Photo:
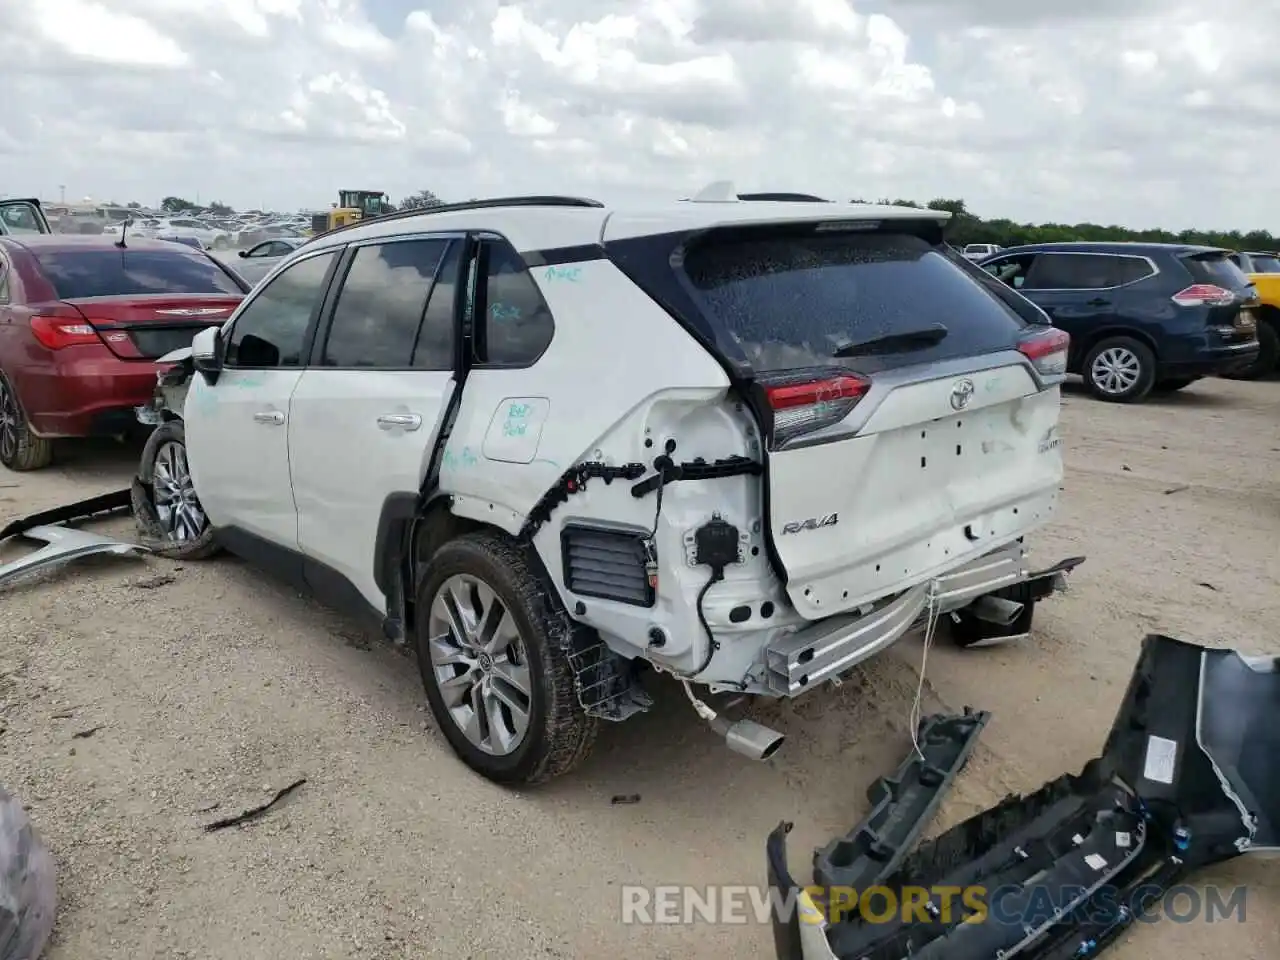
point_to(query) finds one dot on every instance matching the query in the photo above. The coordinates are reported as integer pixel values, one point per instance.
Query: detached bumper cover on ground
(1184, 780)
(64, 544)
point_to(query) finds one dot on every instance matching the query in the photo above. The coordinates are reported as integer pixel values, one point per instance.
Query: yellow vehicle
(1263, 270)
(352, 205)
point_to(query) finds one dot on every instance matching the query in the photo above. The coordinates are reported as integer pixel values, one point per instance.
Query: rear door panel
(919, 489)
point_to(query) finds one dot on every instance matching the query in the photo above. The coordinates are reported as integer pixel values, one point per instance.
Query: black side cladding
(901, 805)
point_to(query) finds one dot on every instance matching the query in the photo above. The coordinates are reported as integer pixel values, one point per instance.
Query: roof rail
(533, 201)
(785, 197)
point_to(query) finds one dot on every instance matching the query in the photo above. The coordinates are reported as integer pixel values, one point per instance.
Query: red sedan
(82, 321)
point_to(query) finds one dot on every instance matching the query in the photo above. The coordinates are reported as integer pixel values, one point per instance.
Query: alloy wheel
(1116, 370)
(480, 664)
(10, 421)
(177, 508)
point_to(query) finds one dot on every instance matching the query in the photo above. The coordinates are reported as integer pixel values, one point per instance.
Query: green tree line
(968, 227)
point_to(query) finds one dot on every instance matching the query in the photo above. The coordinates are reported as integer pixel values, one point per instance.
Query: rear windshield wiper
(891, 342)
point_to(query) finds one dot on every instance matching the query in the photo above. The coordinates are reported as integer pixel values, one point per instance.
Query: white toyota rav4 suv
(749, 443)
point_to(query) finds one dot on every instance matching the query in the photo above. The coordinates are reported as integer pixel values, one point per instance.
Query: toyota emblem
(961, 394)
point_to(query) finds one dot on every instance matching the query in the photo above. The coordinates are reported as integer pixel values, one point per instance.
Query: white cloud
(1033, 111)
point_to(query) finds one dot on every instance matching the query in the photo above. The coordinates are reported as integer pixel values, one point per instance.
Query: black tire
(20, 449)
(156, 529)
(1268, 354)
(1173, 384)
(559, 734)
(968, 631)
(1137, 357)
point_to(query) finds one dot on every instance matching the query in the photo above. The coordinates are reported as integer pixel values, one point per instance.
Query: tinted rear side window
(122, 273)
(792, 301)
(1266, 265)
(1216, 268)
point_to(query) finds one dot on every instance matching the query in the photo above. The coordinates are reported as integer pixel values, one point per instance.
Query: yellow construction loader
(352, 205)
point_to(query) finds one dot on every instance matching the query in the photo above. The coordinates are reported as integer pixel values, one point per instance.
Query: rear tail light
(804, 403)
(1047, 351)
(59, 332)
(1204, 295)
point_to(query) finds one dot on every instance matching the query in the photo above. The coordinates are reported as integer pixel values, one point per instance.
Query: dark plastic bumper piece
(106, 503)
(901, 805)
(1185, 780)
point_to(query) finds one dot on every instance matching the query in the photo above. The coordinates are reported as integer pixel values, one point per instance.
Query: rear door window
(1266, 265)
(121, 273)
(795, 301)
(1073, 271)
(1132, 269)
(380, 307)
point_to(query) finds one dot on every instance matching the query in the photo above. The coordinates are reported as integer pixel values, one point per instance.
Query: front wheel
(170, 519)
(1120, 370)
(491, 650)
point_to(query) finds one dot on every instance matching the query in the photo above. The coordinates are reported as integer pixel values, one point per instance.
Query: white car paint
(921, 489)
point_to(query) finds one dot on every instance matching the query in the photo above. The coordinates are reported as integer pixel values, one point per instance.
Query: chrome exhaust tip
(750, 739)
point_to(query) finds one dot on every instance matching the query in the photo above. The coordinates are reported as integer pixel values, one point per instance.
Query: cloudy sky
(1141, 112)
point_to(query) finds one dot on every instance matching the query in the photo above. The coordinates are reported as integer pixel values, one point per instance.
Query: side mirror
(206, 354)
(244, 253)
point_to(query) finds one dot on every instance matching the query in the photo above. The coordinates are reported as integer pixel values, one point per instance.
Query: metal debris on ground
(254, 813)
(623, 798)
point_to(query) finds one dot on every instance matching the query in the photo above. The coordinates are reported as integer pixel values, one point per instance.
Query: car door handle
(269, 416)
(405, 421)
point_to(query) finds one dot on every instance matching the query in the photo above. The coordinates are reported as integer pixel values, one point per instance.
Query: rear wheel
(1268, 354)
(20, 449)
(168, 513)
(1120, 370)
(490, 639)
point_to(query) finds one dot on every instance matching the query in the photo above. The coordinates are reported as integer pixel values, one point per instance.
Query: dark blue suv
(1142, 316)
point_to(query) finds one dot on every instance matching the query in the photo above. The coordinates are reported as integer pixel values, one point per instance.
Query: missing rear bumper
(831, 647)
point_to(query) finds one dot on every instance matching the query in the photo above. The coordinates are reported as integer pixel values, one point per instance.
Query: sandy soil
(211, 688)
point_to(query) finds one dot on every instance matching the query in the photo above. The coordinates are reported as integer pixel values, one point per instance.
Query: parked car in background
(1142, 316)
(212, 237)
(1263, 271)
(194, 242)
(259, 260)
(980, 251)
(82, 321)
(22, 216)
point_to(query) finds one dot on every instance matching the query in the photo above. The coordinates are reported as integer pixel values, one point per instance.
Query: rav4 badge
(813, 523)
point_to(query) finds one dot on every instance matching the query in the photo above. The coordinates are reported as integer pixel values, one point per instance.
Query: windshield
(121, 273)
(794, 301)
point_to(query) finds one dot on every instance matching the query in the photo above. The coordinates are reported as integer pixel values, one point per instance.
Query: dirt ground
(210, 688)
